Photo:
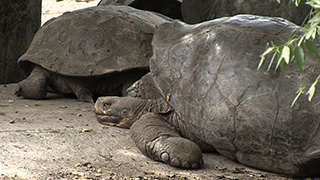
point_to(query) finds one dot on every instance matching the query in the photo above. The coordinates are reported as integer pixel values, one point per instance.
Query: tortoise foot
(177, 152)
(84, 95)
(157, 139)
(35, 86)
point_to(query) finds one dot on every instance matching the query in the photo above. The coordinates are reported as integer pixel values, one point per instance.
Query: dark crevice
(284, 29)
(225, 98)
(243, 93)
(234, 118)
(274, 124)
(218, 71)
(311, 139)
(234, 129)
(256, 32)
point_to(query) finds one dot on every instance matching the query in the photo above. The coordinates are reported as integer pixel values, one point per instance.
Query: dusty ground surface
(51, 8)
(59, 138)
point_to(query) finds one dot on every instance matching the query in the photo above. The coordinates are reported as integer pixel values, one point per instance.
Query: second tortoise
(90, 52)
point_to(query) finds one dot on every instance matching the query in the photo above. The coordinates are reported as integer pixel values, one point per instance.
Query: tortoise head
(118, 111)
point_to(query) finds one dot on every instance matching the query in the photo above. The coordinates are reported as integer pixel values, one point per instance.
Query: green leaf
(312, 89)
(293, 33)
(318, 30)
(311, 33)
(285, 54)
(26, 134)
(301, 40)
(268, 50)
(151, 162)
(299, 57)
(312, 48)
(315, 19)
(314, 3)
(299, 92)
(261, 62)
(282, 66)
(314, 34)
(263, 56)
(280, 59)
(271, 61)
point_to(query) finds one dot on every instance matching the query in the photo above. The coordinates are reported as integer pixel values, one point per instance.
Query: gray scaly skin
(156, 129)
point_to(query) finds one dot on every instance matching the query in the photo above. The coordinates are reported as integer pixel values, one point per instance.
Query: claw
(175, 162)
(17, 92)
(165, 157)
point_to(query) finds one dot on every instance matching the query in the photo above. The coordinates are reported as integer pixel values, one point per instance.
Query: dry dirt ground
(51, 8)
(59, 138)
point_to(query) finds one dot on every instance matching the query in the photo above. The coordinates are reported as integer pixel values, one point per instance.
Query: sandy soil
(51, 8)
(59, 138)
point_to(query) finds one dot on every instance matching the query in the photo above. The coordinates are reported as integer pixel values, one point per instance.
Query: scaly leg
(35, 86)
(82, 93)
(160, 141)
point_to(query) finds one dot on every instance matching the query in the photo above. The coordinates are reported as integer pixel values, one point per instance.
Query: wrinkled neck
(158, 106)
(152, 105)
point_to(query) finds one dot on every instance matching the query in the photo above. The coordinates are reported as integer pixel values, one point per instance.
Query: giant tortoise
(213, 95)
(195, 11)
(90, 52)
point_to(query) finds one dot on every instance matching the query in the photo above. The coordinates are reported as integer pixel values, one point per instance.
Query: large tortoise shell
(208, 74)
(94, 41)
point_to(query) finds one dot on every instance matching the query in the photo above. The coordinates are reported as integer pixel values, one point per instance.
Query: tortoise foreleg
(82, 93)
(35, 86)
(160, 141)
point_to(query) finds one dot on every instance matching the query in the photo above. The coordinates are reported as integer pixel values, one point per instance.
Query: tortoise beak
(114, 121)
(108, 120)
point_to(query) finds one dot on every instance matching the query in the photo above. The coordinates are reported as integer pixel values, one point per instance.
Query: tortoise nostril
(106, 105)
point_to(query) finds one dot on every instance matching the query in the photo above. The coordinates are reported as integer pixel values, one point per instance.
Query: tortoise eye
(125, 113)
(106, 105)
